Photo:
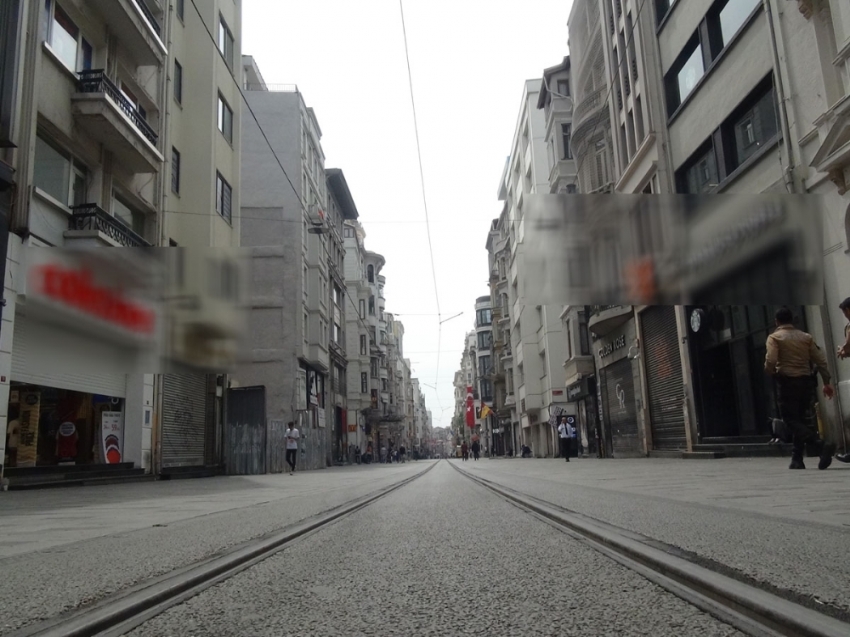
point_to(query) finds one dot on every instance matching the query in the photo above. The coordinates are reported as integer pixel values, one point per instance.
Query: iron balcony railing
(89, 216)
(151, 19)
(97, 81)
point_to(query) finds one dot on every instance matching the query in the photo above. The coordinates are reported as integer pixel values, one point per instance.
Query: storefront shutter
(184, 415)
(664, 378)
(96, 365)
(620, 409)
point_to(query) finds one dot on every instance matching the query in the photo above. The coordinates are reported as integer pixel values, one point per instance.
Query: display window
(48, 426)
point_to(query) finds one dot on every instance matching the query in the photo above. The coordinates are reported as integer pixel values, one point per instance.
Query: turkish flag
(470, 408)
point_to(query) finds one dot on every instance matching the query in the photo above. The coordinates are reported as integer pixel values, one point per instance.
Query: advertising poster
(30, 405)
(111, 431)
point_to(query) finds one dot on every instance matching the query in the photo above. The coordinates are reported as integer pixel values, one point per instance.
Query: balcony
(108, 117)
(578, 366)
(89, 221)
(136, 27)
(606, 318)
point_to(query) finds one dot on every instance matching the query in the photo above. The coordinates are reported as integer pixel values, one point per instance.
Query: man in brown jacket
(790, 355)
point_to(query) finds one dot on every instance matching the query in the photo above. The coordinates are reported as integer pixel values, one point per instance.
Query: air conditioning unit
(315, 215)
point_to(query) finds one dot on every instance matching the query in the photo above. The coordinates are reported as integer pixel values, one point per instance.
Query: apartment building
(359, 343)
(536, 339)
(709, 97)
(341, 209)
(286, 226)
(201, 213)
(485, 368)
(83, 116)
(465, 383)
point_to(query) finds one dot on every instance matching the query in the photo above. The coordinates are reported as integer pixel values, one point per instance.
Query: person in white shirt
(565, 437)
(292, 436)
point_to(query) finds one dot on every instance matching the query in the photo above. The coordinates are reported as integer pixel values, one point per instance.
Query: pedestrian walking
(464, 451)
(401, 452)
(383, 454)
(292, 436)
(791, 353)
(564, 438)
(476, 449)
(844, 352)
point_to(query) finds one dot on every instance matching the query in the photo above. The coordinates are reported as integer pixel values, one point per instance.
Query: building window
(65, 39)
(370, 274)
(683, 77)
(175, 170)
(362, 308)
(225, 42)
(373, 368)
(583, 336)
(483, 318)
(306, 328)
(725, 23)
(566, 132)
(483, 365)
(371, 306)
(127, 215)
(180, 7)
(571, 189)
(225, 119)
(700, 174)
(563, 88)
(348, 232)
(223, 197)
(178, 82)
(59, 175)
(363, 345)
(364, 383)
(751, 127)
(484, 340)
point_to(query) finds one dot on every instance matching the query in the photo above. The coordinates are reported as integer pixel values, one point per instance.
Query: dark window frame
(225, 47)
(223, 197)
(225, 119)
(175, 171)
(180, 9)
(566, 138)
(178, 82)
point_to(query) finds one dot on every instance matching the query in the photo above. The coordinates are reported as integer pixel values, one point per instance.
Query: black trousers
(565, 447)
(291, 455)
(796, 399)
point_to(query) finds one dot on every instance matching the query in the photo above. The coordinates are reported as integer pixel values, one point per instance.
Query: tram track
(121, 613)
(750, 609)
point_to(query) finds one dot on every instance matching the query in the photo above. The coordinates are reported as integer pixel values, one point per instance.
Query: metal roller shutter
(664, 378)
(184, 415)
(92, 359)
(620, 410)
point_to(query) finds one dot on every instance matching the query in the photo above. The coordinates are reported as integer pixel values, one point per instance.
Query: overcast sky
(469, 59)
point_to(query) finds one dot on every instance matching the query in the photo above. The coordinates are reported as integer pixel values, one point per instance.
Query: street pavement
(62, 549)
(438, 556)
(441, 556)
(787, 530)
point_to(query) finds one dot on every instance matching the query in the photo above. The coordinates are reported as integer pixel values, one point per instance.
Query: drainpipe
(165, 121)
(775, 45)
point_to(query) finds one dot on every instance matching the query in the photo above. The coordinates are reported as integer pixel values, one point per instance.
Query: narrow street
(438, 555)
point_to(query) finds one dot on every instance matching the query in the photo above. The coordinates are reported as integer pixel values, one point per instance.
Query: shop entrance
(735, 398)
(49, 427)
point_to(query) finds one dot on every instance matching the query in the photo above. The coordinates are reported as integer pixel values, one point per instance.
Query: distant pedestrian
(464, 451)
(292, 436)
(383, 455)
(791, 353)
(401, 452)
(564, 438)
(476, 449)
(844, 352)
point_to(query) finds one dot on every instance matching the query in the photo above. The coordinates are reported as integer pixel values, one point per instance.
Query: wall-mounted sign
(612, 346)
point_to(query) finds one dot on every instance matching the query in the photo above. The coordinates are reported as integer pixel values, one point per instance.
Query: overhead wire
(422, 182)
